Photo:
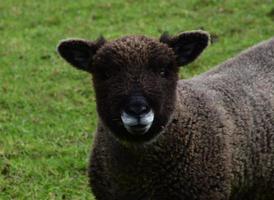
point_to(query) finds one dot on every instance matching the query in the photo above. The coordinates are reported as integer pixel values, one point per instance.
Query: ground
(47, 109)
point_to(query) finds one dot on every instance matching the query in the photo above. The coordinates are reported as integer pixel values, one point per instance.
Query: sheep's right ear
(79, 53)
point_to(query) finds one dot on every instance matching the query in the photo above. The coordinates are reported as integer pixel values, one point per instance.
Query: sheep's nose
(137, 106)
(137, 115)
(137, 109)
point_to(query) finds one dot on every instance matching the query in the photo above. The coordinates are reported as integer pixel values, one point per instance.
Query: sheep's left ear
(79, 53)
(187, 45)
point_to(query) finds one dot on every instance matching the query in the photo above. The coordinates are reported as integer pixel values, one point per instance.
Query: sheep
(158, 137)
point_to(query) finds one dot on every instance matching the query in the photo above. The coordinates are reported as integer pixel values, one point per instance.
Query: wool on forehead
(134, 50)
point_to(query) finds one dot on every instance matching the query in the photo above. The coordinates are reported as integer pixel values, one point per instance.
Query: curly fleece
(218, 144)
(212, 137)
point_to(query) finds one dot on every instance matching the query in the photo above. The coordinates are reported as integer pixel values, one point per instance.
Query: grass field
(47, 109)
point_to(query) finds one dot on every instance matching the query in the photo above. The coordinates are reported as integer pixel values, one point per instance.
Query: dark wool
(212, 137)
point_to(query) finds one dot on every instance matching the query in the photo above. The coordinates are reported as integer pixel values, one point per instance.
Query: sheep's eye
(163, 72)
(104, 75)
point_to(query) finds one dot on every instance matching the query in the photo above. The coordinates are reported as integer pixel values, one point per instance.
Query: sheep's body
(219, 143)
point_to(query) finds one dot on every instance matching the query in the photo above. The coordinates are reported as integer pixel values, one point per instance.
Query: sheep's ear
(187, 45)
(79, 53)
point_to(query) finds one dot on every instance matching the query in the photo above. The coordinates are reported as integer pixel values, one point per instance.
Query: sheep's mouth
(137, 125)
(137, 130)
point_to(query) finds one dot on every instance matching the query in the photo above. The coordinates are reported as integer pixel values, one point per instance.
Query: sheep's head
(135, 78)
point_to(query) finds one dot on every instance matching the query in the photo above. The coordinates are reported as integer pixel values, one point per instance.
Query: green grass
(47, 109)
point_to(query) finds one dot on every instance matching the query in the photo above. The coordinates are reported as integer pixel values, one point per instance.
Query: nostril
(137, 109)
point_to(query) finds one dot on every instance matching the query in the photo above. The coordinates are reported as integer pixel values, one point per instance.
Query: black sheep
(209, 137)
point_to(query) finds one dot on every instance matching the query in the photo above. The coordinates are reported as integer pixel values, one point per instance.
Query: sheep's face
(135, 78)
